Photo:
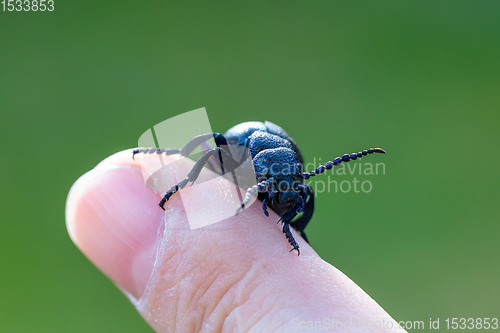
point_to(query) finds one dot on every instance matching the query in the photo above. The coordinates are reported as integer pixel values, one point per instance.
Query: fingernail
(114, 220)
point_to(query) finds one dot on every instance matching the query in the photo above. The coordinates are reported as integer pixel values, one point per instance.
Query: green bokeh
(420, 79)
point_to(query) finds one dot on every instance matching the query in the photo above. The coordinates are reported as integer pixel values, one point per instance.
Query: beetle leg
(264, 207)
(166, 151)
(194, 173)
(291, 240)
(292, 212)
(198, 140)
(188, 148)
(308, 210)
(287, 218)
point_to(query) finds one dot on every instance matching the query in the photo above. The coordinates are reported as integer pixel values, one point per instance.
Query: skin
(236, 275)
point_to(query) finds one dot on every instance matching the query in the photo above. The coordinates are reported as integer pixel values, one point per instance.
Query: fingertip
(110, 216)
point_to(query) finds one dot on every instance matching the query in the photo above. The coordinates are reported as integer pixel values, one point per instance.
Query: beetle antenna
(345, 158)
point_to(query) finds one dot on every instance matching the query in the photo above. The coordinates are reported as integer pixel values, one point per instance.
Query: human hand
(236, 277)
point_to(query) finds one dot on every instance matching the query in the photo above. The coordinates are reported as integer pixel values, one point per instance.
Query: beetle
(277, 162)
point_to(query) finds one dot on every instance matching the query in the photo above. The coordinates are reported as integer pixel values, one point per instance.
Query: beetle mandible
(278, 168)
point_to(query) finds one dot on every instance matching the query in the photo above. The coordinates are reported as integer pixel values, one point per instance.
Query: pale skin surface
(235, 276)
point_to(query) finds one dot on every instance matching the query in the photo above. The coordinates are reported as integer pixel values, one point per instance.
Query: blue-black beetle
(278, 168)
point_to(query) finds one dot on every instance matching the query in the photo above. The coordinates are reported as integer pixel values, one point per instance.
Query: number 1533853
(27, 5)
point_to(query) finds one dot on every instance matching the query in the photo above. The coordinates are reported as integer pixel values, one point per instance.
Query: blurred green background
(420, 79)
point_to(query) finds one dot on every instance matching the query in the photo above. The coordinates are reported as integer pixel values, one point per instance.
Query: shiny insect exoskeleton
(277, 163)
